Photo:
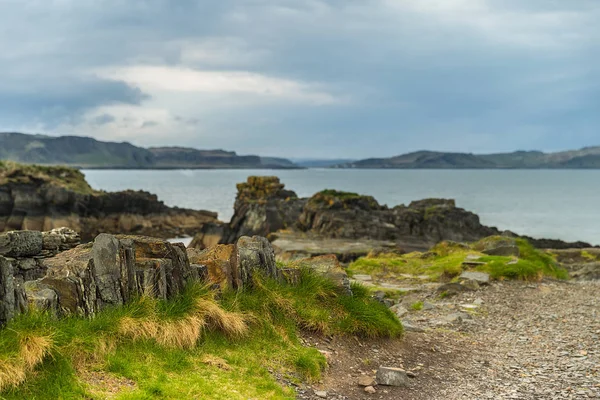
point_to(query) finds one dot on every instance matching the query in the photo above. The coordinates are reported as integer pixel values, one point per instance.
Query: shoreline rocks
(71, 279)
(40, 198)
(348, 224)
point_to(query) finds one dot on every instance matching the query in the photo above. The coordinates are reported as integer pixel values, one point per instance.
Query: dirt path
(511, 340)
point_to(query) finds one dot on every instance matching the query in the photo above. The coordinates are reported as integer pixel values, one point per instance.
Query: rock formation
(346, 224)
(43, 198)
(582, 264)
(51, 271)
(22, 256)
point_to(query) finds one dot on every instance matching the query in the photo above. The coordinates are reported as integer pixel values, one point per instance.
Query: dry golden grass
(185, 332)
(32, 350)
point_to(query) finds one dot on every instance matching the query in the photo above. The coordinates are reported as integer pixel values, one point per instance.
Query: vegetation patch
(194, 346)
(69, 178)
(448, 259)
(338, 199)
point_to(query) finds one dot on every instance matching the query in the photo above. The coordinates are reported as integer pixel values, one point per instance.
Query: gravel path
(536, 342)
(523, 341)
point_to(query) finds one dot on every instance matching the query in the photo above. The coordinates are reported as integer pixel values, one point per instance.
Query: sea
(558, 204)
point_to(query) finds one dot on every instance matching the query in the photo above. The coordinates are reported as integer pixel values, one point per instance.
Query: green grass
(445, 261)
(417, 306)
(139, 363)
(66, 177)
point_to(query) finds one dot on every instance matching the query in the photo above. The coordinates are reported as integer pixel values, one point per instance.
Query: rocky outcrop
(113, 269)
(352, 223)
(582, 264)
(262, 206)
(234, 265)
(44, 198)
(22, 255)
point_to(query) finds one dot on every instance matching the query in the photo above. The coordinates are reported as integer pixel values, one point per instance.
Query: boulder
(218, 262)
(262, 206)
(8, 303)
(481, 278)
(21, 243)
(254, 255)
(210, 235)
(399, 310)
(41, 297)
(389, 376)
(111, 270)
(453, 288)
(59, 239)
(498, 246)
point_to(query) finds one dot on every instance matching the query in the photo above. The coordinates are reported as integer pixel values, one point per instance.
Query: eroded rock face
(262, 206)
(112, 269)
(218, 264)
(254, 255)
(57, 197)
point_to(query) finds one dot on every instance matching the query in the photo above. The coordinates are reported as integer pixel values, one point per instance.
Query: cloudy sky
(305, 78)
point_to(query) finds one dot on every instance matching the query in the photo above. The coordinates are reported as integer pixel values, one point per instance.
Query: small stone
(428, 306)
(365, 380)
(408, 327)
(480, 277)
(399, 310)
(457, 317)
(321, 393)
(389, 376)
(478, 301)
(370, 390)
(411, 374)
(470, 284)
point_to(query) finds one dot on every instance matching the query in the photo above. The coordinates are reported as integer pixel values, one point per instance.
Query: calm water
(540, 203)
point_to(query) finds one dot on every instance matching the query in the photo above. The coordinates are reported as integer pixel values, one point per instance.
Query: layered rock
(22, 255)
(262, 206)
(44, 198)
(348, 225)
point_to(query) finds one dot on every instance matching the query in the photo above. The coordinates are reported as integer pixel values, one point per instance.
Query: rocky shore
(346, 224)
(44, 198)
(486, 313)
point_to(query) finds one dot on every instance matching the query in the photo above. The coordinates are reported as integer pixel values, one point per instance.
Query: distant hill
(319, 163)
(586, 158)
(84, 152)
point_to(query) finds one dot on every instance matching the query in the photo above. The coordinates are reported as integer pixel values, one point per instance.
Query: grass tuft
(189, 346)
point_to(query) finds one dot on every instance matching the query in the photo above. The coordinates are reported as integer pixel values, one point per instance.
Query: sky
(305, 78)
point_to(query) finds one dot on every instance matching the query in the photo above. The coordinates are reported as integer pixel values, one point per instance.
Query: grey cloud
(442, 79)
(104, 119)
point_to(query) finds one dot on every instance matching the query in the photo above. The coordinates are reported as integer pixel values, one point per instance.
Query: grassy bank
(69, 178)
(195, 346)
(447, 260)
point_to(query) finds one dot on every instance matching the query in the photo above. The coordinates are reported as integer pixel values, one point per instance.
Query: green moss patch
(69, 178)
(448, 259)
